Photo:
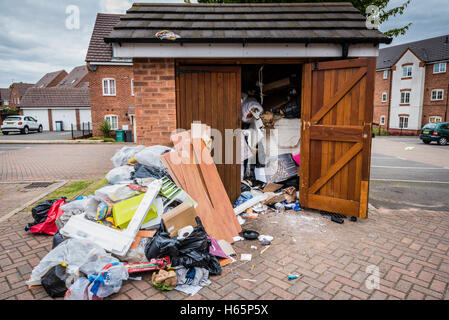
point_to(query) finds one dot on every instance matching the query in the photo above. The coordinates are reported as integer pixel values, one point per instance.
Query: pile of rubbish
(153, 216)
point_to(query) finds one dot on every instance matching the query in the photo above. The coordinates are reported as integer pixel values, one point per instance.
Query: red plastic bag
(49, 225)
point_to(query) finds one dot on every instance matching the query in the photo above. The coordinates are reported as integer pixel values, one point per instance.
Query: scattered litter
(265, 237)
(237, 238)
(409, 148)
(153, 265)
(254, 247)
(241, 220)
(250, 234)
(167, 35)
(246, 257)
(251, 280)
(250, 203)
(264, 249)
(191, 280)
(293, 277)
(164, 280)
(226, 247)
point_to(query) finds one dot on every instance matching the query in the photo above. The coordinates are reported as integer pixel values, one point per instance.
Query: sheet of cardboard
(142, 234)
(179, 217)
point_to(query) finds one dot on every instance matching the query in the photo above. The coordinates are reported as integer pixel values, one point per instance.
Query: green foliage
(105, 129)
(378, 131)
(9, 111)
(361, 5)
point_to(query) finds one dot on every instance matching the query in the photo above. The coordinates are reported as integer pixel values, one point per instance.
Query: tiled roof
(5, 93)
(262, 23)
(73, 78)
(22, 87)
(48, 78)
(55, 97)
(100, 51)
(428, 50)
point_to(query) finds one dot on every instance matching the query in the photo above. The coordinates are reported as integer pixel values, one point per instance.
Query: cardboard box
(180, 217)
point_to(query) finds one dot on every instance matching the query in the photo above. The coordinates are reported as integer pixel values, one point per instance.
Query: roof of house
(22, 87)
(56, 97)
(74, 77)
(48, 78)
(100, 51)
(5, 93)
(334, 22)
(428, 50)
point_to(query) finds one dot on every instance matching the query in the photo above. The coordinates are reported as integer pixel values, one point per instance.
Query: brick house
(51, 79)
(412, 83)
(5, 95)
(110, 80)
(18, 90)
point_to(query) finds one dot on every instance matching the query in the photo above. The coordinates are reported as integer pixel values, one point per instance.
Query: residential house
(59, 96)
(5, 95)
(49, 105)
(51, 79)
(110, 80)
(412, 83)
(18, 90)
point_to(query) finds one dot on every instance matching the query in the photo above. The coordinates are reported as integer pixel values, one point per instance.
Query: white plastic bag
(150, 156)
(108, 281)
(120, 175)
(80, 255)
(125, 154)
(78, 290)
(87, 204)
(114, 193)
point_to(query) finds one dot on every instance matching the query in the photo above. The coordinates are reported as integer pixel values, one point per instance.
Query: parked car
(438, 132)
(22, 124)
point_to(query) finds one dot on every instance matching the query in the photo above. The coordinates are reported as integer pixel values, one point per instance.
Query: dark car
(438, 132)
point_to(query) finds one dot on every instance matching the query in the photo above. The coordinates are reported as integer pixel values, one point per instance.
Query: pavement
(46, 135)
(400, 252)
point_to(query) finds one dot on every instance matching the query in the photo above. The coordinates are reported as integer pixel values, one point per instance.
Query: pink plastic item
(297, 159)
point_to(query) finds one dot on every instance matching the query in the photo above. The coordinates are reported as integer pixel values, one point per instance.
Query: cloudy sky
(34, 38)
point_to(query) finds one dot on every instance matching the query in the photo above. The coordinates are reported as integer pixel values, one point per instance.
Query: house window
(382, 120)
(407, 71)
(405, 97)
(384, 97)
(435, 119)
(439, 67)
(437, 95)
(6, 102)
(403, 122)
(113, 121)
(132, 87)
(109, 87)
(385, 74)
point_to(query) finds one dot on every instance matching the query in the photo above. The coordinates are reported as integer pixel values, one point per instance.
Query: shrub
(105, 129)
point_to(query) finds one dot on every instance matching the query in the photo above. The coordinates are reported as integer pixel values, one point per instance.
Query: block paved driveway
(46, 135)
(409, 248)
(55, 162)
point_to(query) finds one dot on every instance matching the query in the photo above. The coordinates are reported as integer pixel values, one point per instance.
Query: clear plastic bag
(77, 255)
(120, 175)
(150, 156)
(125, 154)
(108, 281)
(78, 290)
(114, 193)
(87, 204)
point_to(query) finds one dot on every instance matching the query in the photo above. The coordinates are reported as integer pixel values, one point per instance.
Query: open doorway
(271, 106)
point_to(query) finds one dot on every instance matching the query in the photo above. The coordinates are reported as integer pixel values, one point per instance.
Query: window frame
(132, 87)
(405, 93)
(408, 70)
(439, 64)
(403, 118)
(384, 94)
(435, 117)
(436, 91)
(109, 93)
(385, 75)
(111, 122)
(382, 120)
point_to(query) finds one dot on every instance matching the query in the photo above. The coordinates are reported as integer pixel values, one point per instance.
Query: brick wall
(114, 105)
(155, 90)
(13, 99)
(434, 81)
(381, 108)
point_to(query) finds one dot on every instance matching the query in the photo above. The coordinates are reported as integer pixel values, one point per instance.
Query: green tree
(384, 12)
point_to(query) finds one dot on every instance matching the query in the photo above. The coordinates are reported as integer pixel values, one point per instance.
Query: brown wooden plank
(346, 207)
(339, 95)
(336, 167)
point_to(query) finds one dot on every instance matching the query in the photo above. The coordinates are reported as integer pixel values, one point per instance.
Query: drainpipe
(389, 99)
(447, 103)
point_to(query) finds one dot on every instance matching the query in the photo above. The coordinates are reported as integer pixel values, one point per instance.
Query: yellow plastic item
(124, 211)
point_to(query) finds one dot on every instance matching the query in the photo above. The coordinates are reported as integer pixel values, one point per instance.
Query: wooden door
(337, 113)
(212, 94)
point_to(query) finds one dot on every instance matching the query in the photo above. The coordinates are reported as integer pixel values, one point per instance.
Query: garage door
(85, 117)
(212, 95)
(41, 115)
(68, 117)
(337, 113)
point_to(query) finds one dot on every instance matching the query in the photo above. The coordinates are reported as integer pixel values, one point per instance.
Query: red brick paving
(331, 260)
(57, 162)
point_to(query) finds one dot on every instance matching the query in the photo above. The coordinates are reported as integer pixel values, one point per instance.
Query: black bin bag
(54, 281)
(192, 251)
(39, 212)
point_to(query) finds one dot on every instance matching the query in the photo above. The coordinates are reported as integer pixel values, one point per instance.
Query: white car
(22, 124)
